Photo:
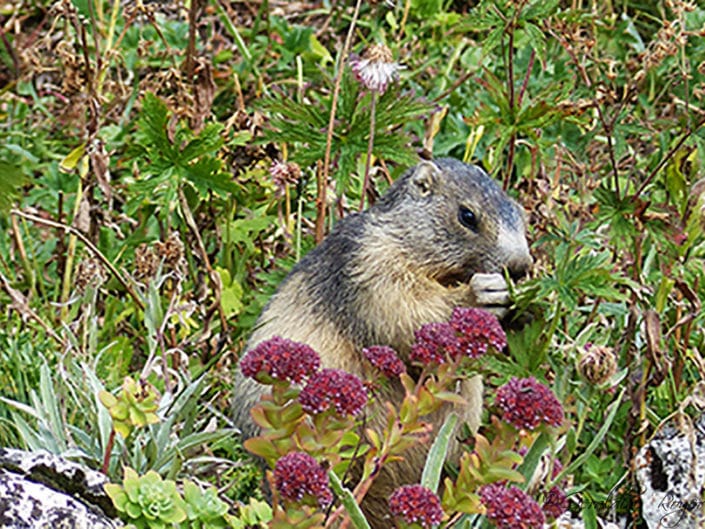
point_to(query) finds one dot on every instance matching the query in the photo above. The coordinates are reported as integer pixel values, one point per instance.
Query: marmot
(441, 237)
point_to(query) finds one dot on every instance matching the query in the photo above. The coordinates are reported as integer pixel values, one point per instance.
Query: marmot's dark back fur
(380, 274)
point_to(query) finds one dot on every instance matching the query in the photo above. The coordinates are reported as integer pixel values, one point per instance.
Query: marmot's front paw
(491, 293)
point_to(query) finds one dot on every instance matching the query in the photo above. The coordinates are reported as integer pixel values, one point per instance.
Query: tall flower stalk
(375, 71)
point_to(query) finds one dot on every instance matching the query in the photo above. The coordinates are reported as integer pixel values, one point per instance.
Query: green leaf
(319, 50)
(539, 10)
(431, 476)
(71, 160)
(117, 495)
(11, 181)
(131, 482)
(209, 141)
(537, 39)
(152, 124)
(533, 457)
(348, 500)
(596, 440)
(589, 514)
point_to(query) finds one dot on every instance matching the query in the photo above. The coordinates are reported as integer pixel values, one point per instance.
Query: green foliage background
(123, 126)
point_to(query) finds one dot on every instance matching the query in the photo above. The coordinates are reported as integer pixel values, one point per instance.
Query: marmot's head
(456, 222)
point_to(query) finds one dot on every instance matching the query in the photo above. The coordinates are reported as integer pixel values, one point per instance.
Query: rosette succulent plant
(203, 508)
(135, 406)
(147, 501)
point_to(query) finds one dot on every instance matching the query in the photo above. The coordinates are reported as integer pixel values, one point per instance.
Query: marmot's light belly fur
(439, 238)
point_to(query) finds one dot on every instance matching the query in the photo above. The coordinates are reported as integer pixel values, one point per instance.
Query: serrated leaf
(539, 10)
(207, 142)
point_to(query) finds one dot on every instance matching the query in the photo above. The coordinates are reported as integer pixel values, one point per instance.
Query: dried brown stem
(91, 247)
(20, 304)
(668, 156)
(322, 174)
(213, 276)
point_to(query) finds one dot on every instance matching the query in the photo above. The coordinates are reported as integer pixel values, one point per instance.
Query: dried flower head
(511, 508)
(297, 476)
(556, 503)
(385, 359)
(526, 403)
(597, 364)
(376, 69)
(416, 504)
(333, 389)
(90, 273)
(146, 262)
(171, 251)
(284, 174)
(477, 330)
(281, 359)
(434, 343)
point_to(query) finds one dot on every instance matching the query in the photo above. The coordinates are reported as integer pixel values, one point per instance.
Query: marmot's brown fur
(441, 237)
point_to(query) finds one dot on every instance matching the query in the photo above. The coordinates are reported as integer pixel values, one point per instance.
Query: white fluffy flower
(376, 69)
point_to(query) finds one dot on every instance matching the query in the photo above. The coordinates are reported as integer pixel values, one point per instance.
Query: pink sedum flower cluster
(511, 508)
(333, 389)
(297, 475)
(556, 503)
(416, 504)
(526, 404)
(385, 359)
(280, 359)
(469, 333)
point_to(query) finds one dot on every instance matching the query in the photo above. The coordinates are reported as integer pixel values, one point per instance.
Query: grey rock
(42, 490)
(671, 473)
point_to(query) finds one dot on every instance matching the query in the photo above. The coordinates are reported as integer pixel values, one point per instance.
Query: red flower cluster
(511, 508)
(556, 503)
(385, 359)
(298, 475)
(469, 333)
(333, 388)
(526, 404)
(281, 359)
(477, 330)
(416, 504)
(434, 342)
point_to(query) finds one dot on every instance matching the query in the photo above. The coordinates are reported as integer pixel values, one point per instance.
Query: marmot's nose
(519, 267)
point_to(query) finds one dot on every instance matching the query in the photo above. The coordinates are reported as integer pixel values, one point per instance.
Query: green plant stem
(370, 144)
(212, 274)
(323, 172)
(27, 267)
(68, 262)
(239, 42)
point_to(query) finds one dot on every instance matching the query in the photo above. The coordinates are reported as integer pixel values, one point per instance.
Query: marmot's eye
(467, 218)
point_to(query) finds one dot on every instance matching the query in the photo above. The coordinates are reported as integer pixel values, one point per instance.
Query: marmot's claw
(491, 293)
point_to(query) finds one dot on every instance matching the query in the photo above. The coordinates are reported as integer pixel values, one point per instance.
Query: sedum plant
(135, 406)
(310, 435)
(147, 501)
(204, 509)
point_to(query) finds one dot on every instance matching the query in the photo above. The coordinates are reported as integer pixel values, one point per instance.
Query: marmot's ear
(425, 178)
